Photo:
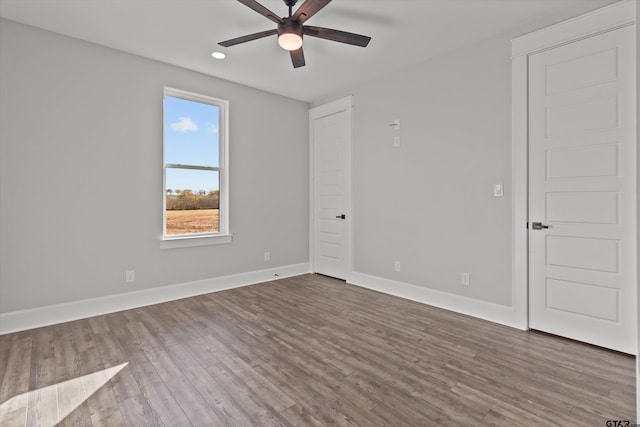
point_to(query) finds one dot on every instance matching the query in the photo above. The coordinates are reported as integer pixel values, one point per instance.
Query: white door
(330, 128)
(582, 153)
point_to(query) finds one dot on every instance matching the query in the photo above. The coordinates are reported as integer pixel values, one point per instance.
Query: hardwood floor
(305, 351)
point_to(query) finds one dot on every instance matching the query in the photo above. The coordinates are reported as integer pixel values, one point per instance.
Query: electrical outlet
(397, 266)
(129, 276)
(465, 279)
(267, 256)
(498, 190)
(396, 141)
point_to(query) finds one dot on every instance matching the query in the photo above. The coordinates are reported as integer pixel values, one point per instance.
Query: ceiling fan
(291, 29)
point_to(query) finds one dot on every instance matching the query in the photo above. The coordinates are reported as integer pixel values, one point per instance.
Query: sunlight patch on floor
(49, 405)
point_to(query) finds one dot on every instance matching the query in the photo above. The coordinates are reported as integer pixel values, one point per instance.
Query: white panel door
(582, 172)
(331, 139)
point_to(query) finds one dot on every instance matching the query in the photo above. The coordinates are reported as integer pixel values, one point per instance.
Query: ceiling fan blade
(336, 35)
(261, 10)
(297, 58)
(248, 38)
(308, 9)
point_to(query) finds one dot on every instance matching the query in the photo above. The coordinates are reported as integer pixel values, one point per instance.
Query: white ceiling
(185, 32)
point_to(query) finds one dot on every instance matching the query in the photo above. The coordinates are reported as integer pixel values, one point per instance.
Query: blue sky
(191, 137)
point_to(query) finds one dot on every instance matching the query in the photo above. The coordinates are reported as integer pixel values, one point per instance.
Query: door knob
(343, 216)
(538, 226)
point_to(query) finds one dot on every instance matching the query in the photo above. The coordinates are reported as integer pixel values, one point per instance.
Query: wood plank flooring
(305, 351)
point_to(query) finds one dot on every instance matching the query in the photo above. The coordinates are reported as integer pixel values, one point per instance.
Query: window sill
(190, 241)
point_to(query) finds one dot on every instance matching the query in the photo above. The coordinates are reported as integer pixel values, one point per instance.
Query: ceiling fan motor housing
(290, 25)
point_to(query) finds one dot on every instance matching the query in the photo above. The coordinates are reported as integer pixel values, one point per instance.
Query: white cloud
(184, 125)
(213, 129)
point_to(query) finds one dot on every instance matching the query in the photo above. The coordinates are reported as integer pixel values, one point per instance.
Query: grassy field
(192, 221)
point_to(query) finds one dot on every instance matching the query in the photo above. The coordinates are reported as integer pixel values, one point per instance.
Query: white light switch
(498, 190)
(465, 279)
(129, 276)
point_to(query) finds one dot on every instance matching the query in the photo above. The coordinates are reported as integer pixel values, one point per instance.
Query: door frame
(617, 15)
(344, 104)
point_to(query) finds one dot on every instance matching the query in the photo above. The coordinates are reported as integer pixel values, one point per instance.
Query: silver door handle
(538, 226)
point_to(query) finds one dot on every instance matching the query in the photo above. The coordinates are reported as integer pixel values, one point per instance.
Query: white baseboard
(460, 304)
(49, 315)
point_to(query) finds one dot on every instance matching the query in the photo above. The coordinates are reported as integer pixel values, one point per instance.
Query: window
(195, 175)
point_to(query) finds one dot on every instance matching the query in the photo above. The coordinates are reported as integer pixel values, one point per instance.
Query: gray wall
(429, 203)
(81, 173)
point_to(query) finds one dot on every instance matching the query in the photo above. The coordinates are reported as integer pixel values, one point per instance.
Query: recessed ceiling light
(218, 55)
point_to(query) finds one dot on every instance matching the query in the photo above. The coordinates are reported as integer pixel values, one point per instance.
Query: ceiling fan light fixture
(290, 41)
(290, 35)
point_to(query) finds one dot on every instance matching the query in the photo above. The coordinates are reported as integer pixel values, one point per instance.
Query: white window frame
(223, 235)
